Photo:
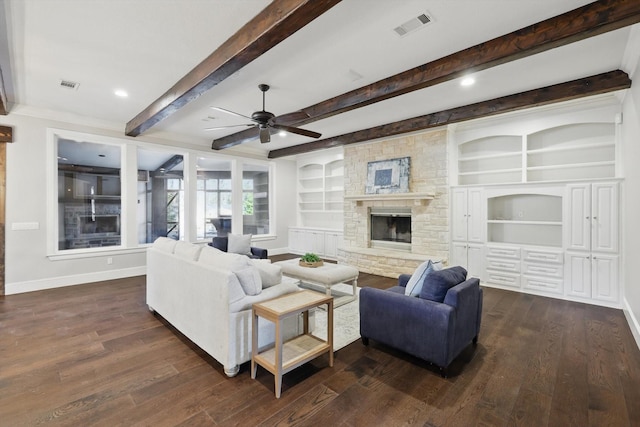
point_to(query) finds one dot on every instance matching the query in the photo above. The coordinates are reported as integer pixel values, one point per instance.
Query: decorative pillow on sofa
(249, 278)
(269, 273)
(414, 285)
(437, 283)
(186, 250)
(239, 244)
(165, 244)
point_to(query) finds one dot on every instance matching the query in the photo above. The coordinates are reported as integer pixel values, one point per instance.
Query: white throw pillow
(249, 278)
(269, 273)
(239, 244)
(414, 285)
(165, 244)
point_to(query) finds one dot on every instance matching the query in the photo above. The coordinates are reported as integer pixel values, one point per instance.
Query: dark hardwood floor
(94, 355)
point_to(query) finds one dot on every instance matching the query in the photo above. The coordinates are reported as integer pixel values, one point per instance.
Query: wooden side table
(286, 356)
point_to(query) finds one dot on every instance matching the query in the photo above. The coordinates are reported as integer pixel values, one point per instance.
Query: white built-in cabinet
(320, 193)
(467, 229)
(592, 241)
(536, 205)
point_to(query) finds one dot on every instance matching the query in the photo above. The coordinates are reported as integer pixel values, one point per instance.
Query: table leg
(254, 343)
(330, 330)
(278, 361)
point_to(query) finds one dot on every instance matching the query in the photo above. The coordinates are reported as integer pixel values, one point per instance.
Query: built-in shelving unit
(528, 219)
(561, 153)
(321, 193)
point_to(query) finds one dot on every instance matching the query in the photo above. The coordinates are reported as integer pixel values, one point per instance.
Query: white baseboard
(634, 325)
(78, 279)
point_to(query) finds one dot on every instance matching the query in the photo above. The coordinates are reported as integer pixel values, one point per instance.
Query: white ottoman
(326, 276)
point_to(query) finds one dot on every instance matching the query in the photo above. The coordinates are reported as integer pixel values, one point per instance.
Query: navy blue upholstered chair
(431, 330)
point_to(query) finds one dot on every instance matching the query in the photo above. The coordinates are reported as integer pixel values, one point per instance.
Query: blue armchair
(433, 331)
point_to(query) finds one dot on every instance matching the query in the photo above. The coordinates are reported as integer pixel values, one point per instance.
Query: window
(160, 195)
(89, 192)
(255, 199)
(214, 198)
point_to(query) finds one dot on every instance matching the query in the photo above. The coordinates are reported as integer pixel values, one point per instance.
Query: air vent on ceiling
(68, 84)
(412, 25)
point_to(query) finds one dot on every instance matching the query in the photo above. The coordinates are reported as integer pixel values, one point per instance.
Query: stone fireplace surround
(428, 200)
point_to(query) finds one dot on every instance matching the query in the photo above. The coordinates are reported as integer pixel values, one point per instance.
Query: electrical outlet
(109, 260)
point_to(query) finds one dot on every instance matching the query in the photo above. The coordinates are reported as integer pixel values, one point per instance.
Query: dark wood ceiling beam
(588, 86)
(6, 134)
(587, 21)
(273, 24)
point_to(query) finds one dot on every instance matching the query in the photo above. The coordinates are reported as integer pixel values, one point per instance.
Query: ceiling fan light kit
(264, 121)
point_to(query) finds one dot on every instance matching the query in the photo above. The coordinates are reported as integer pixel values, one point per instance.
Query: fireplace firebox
(390, 228)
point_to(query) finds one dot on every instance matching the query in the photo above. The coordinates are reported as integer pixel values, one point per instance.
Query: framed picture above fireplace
(388, 176)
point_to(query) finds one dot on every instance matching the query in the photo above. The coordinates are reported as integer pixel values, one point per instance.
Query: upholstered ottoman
(325, 276)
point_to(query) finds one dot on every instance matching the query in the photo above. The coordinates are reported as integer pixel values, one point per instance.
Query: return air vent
(412, 25)
(68, 84)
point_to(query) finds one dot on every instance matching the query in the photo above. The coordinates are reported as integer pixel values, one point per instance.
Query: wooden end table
(286, 356)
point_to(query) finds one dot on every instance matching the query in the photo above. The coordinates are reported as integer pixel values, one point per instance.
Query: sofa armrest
(259, 253)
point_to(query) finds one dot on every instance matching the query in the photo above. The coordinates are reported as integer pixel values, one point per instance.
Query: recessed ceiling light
(282, 133)
(121, 93)
(467, 81)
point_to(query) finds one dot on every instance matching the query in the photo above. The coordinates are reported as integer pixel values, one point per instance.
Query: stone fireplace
(425, 206)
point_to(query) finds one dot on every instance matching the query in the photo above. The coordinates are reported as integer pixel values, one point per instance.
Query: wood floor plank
(94, 355)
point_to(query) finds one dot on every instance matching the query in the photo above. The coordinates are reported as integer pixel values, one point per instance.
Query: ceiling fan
(264, 121)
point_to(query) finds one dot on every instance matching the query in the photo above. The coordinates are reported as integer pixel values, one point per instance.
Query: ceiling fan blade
(224, 110)
(298, 131)
(230, 126)
(265, 135)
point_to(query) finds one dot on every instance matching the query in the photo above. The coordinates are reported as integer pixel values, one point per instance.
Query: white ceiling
(145, 46)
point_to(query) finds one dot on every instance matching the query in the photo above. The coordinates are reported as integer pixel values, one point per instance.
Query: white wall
(27, 266)
(631, 194)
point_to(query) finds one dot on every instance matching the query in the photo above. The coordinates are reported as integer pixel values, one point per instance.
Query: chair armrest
(220, 243)
(259, 253)
(403, 279)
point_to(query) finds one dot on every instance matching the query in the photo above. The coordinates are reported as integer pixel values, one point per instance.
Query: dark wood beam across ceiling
(588, 86)
(273, 24)
(587, 21)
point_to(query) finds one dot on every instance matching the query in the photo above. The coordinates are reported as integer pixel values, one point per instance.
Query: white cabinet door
(315, 242)
(604, 221)
(475, 260)
(296, 240)
(475, 219)
(467, 218)
(579, 230)
(470, 256)
(459, 254)
(331, 242)
(604, 277)
(593, 217)
(459, 217)
(578, 274)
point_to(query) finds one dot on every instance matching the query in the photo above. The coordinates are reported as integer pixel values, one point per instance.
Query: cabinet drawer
(548, 270)
(542, 284)
(542, 256)
(504, 279)
(503, 265)
(503, 252)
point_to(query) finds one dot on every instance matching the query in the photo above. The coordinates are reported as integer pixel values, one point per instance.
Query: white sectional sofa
(207, 295)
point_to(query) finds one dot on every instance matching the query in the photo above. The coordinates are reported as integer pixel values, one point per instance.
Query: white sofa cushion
(165, 244)
(187, 251)
(270, 274)
(239, 244)
(247, 274)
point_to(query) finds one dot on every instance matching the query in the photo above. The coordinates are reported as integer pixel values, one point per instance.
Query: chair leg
(365, 340)
(443, 371)
(475, 341)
